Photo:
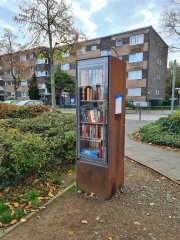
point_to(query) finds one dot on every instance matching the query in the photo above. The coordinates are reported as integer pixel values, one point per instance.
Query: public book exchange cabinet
(101, 90)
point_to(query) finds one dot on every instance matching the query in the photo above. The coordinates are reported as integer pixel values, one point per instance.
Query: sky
(97, 18)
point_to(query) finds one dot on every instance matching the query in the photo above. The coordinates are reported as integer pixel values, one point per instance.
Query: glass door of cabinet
(92, 109)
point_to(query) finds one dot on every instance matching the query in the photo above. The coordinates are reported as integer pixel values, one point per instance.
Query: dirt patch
(147, 209)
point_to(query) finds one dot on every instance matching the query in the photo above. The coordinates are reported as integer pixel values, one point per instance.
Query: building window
(105, 53)
(24, 94)
(133, 75)
(119, 42)
(93, 48)
(22, 58)
(134, 92)
(42, 73)
(159, 61)
(136, 57)
(158, 77)
(65, 54)
(120, 57)
(24, 83)
(42, 61)
(138, 39)
(157, 92)
(31, 56)
(32, 68)
(9, 83)
(65, 67)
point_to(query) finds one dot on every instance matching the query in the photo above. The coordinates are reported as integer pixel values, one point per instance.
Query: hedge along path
(26, 218)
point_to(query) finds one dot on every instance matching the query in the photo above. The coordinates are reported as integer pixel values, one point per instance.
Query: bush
(35, 145)
(7, 110)
(13, 111)
(165, 131)
(21, 155)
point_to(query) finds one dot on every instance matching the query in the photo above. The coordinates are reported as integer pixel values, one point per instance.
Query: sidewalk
(161, 160)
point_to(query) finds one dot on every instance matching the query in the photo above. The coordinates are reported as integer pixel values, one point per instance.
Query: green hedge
(33, 146)
(165, 131)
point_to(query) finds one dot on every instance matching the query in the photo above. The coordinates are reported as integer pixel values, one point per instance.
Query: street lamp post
(173, 86)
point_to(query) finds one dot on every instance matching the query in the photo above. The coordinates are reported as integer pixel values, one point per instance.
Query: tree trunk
(53, 94)
(15, 90)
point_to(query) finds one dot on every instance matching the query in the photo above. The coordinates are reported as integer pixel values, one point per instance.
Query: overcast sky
(98, 18)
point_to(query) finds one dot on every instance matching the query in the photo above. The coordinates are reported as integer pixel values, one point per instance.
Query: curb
(3, 232)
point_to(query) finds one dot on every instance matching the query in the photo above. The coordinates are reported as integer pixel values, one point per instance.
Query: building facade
(29, 63)
(143, 49)
(146, 55)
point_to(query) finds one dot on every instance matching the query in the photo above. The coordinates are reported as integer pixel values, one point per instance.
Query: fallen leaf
(92, 194)
(29, 203)
(50, 194)
(79, 191)
(1, 194)
(110, 238)
(7, 190)
(12, 213)
(69, 174)
(13, 221)
(38, 217)
(97, 218)
(136, 223)
(62, 182)
(40, 198)
(42, 207)
(151, 204)
(84, 221)
(1, 224)
(23, 220)
(16, 204)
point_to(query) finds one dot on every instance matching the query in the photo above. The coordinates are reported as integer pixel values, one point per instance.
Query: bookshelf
(98, 80)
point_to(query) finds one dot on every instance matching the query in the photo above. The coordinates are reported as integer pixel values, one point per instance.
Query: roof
(130, 31)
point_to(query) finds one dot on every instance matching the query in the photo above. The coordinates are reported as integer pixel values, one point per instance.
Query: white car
(29, 102)
(11, 101)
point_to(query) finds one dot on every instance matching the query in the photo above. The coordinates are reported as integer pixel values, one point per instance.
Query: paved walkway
(161, 160)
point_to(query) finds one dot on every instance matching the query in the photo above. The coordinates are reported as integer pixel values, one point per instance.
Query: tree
(169, 79)
(63, 81)
(50, 23)
(171, 23)
(10, 59)
(33, 88)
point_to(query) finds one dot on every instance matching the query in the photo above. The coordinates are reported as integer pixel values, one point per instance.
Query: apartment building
(145, 53)
(143, 49)
(29, 64)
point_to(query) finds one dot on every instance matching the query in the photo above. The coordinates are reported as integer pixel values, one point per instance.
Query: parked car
(29, 102)
(11, 101)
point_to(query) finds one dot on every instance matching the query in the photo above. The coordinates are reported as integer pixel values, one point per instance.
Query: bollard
(139, 114)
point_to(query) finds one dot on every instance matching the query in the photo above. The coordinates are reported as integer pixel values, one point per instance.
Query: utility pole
(173, 86)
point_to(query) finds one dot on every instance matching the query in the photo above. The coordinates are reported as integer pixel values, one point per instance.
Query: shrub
(7, 110)
(13, 111)
(21, 155)
(31, 111)
(36, 145)
(165, 131)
